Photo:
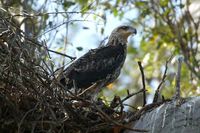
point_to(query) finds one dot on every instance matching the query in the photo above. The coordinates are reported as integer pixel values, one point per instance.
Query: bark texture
(170, 118)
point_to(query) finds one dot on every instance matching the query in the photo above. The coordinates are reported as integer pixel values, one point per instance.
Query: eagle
(101, 66)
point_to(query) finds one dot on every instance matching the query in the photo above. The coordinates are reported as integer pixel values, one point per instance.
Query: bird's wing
(95, 65)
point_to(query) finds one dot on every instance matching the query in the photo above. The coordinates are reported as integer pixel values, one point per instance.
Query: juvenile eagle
(100, 66)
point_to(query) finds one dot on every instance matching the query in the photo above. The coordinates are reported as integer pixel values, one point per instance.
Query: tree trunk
(170, 118)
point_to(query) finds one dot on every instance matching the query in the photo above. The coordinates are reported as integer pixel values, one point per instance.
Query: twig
(87, 89)
(117, 101)
(59, 25)
(143, 110)
(143, 83)
(130, 106)
(72, 58)
(157, 93)
(45, 45)
(53, 13)
(117, 123)
(25, 115)
(38, 44)
(132, 94)
(178, 78)
(128, 96)
(103, 42)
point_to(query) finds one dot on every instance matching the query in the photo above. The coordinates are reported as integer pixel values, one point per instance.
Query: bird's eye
(124, 27)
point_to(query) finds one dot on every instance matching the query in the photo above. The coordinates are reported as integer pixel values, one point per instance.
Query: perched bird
(100, 66)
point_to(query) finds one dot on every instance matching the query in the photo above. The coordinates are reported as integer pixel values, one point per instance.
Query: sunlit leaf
(164, 2)
(115, 12)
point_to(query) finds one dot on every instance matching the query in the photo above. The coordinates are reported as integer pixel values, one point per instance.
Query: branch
(72, 58)
(103, 42)
(113, 105)
(59, 25)
(178, 78)
(25, 14)
(132, 94)
(108, 118)
(157, 93)
(143, 83)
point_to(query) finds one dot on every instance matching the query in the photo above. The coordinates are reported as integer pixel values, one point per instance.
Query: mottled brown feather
(99, 65)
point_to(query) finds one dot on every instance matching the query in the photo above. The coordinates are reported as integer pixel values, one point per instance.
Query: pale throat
(117, 38)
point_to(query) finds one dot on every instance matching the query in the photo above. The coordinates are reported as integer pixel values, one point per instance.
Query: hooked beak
(132, 30)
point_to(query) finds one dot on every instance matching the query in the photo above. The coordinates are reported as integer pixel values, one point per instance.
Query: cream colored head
(122, 33)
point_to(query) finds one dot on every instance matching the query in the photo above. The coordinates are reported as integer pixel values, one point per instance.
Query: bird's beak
(132, 30)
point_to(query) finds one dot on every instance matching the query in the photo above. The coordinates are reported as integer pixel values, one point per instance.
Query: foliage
(174, 30)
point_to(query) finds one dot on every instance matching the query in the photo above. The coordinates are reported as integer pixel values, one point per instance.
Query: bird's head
(122, 33)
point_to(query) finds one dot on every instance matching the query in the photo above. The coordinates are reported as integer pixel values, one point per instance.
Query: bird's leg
(75, 87)
(87, 89)
(96, 92)
(177, 96)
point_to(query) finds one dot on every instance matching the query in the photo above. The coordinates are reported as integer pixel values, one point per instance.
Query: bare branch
(143, 83)
(132, 94)
(72, 58)
(157, 93)
(116, 123)
(178, 78)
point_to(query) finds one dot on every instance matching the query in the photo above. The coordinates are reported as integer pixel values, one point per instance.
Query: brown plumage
(99, 66)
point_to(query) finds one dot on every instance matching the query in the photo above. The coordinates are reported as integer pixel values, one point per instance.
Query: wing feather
(95, 65)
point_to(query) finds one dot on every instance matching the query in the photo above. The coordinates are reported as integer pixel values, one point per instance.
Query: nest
(30, 103)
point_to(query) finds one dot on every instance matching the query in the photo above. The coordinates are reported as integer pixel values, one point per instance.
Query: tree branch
(178, 78)
(143, 83)
(157, 93)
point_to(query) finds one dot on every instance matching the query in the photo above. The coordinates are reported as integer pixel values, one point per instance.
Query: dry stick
(59, 25)
(103, 41)
(178, 78)
(139, 113)
(24, 116)
(87, 89)
(143, 83)
(128, 96)
(38, 44)
(117, 123)
(132, 94)
(155, 99)
(72, 58)
(130, 106)
(52, 13)
(45, 45)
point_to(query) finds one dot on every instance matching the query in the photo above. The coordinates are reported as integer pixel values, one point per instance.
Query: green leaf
(141, 3)
(115, 12)
(46, 16)
(131, 49)
(67, 4)
(164, 3)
